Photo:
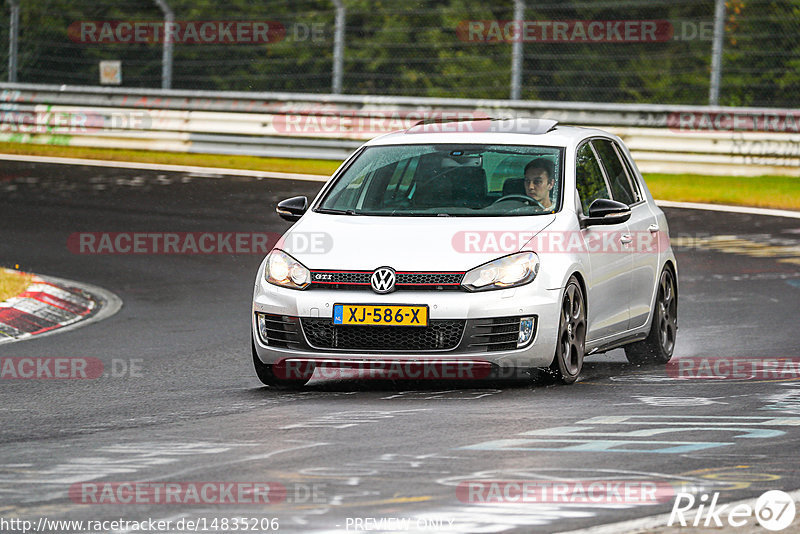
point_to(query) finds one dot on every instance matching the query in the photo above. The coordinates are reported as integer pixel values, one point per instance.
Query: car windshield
(449, 180)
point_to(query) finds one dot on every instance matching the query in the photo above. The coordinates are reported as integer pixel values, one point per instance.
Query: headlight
(511, 271)
(283, 270)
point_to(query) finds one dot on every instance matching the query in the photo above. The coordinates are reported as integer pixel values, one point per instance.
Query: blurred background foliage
(414, 48)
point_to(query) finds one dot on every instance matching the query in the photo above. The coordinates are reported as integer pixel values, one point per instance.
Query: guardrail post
(166, 57)
(13, 37)
(716, 53)
(338, 47)
(516, 51)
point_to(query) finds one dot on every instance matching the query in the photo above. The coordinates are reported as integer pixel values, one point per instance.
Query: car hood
(360, 242)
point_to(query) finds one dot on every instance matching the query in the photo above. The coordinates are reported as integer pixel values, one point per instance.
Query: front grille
(440, 334)
(428, 279)
(341, 277)
(405, 280)
(495, 334)
(282, 331)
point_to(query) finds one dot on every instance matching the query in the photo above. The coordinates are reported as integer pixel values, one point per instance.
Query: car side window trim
(602, 168)
(635, 178)
(623, 161)
(559, 202)
(631, 193)
(629, 172)
(599, 165)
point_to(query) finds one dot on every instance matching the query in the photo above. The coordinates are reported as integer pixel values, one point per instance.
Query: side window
(635, 187)
(589, 177)
(617, 174)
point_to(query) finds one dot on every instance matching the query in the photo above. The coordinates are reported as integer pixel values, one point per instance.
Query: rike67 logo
(774, 510)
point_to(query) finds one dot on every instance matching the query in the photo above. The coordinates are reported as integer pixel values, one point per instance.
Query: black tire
(571, 343)
(660, 342)
(268, 378)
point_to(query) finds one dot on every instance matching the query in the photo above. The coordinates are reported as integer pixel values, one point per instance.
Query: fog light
(262, 327)
(527, 326)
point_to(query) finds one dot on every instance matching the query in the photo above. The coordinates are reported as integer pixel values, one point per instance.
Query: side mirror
(293, 208)
(605, 211)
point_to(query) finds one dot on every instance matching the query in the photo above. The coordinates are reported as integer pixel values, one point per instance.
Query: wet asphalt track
(194, 411)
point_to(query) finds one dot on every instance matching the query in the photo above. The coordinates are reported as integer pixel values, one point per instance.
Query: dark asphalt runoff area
(180, 403)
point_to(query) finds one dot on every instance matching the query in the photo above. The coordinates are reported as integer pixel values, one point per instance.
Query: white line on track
(729, 209)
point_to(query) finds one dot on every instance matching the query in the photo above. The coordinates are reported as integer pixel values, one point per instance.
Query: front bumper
(471, 308)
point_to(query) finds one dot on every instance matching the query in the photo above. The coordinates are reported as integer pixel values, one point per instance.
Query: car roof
(519, 131)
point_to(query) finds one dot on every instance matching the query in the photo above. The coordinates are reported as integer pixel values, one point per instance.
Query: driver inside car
(539, 182)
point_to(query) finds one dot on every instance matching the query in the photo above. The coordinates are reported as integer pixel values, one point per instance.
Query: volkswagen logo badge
(382, 280)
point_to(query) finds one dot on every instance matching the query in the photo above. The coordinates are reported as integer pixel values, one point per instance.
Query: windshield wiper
(336, 212)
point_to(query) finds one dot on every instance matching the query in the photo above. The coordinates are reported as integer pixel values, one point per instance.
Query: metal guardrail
(663, 138)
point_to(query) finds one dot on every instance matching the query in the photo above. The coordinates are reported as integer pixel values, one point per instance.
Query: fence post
(516, 50)
(13, 37)
(166, 57)
(716, 53)
(338, 47)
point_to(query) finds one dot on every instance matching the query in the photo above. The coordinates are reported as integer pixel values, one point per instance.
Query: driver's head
(539, 180)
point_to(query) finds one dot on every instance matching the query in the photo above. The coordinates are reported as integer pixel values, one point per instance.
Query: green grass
(251, 163)
(12, 283)
(782, 192)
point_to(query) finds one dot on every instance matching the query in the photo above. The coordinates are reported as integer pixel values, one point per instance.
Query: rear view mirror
(606, 211)
(293, 208)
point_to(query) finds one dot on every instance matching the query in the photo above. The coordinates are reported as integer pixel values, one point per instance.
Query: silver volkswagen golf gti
(486, 246)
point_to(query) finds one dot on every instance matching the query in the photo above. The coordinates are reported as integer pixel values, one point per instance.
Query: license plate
(380, 315)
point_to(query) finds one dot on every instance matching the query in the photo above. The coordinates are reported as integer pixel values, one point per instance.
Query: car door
(642, 225)
(609, 258)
